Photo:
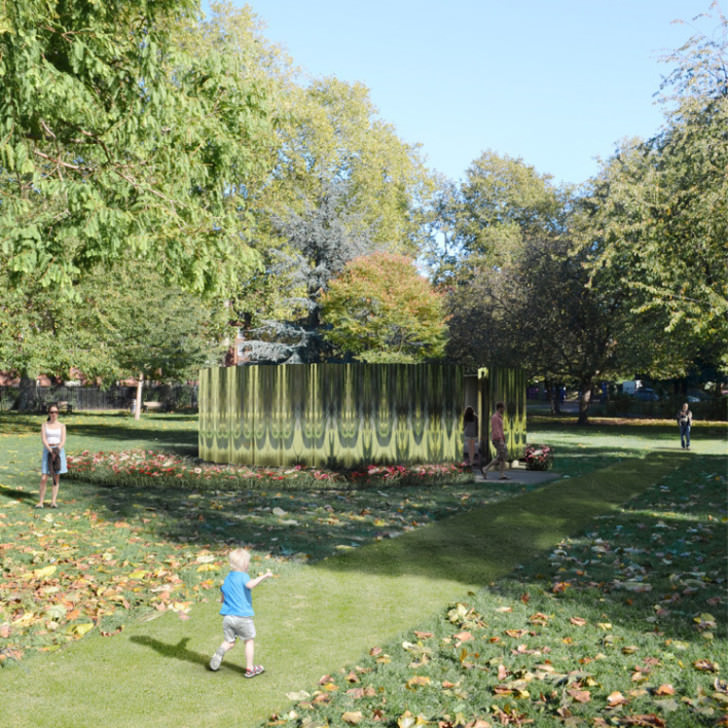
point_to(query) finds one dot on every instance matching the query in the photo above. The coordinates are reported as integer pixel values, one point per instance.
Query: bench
(152, 406)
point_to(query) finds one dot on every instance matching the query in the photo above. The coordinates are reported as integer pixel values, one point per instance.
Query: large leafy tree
(127, 322)
(501, 204)
(659, 209)
(538, 312)
(319, 243)
(118, 142)
(380, 309)
(517, 293)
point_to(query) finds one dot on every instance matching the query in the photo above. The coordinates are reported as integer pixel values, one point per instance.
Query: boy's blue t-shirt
(237, 598)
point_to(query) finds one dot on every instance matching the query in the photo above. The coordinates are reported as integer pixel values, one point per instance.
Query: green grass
(537, 552)
(623, 623)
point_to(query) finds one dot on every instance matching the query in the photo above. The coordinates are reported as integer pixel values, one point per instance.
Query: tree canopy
(380, 309)
(659, 208)
(118, 142)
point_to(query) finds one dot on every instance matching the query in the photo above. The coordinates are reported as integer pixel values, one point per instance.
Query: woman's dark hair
(50, 406)
(469, 415)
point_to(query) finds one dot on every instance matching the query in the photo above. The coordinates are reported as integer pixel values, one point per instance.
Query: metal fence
(170, 396)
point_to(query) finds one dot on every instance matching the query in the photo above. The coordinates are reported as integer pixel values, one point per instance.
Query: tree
(502, 203)
(659, 209)
(127, 322)
(320, 241)
(517, 290)
(381, 310)
(148, 330)
(118, 142)
(539, 314)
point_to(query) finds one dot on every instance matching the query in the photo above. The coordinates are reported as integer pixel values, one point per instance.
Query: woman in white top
(53, 435)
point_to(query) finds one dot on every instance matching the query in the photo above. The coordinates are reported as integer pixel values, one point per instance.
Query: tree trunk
(554, 398)
(138, 407)
(584, 402)
(25, 401)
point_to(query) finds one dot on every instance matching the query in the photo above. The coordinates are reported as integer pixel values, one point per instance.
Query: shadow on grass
(179, 441)
(171, 433)
(19, 495)
(479, 546)
(181, 652)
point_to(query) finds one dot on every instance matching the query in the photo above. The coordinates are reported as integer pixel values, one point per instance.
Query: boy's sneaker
(256, 670)
(215, 662)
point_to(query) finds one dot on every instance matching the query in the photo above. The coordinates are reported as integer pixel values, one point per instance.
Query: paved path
(320, 618)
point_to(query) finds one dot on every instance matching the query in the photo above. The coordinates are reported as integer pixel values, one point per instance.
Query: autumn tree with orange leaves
(380, 309)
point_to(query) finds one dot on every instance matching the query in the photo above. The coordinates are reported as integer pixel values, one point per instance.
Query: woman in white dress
(53, 435)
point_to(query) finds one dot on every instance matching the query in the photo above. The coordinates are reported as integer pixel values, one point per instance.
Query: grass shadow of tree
(476, 547)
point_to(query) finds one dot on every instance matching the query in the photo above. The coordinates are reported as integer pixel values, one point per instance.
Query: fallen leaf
(706, 666)
(577, 621)
(581, 696)
(418, 680)
(297, 697)
(665, 689)
(516, 633)
(46, 571)
(615, 699)
(645, 720)
(352, 717)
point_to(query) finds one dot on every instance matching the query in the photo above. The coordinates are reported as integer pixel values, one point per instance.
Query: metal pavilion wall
(507, 385)
(332, 414)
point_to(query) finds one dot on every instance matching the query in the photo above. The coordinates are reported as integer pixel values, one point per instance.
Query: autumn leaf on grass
(357, 693)
(706, 666)
(45, 572)
(580, 696)
(79, 630)
(516, 633)
(539, 618)
(644, 720)
(407, 720)
(463, 637)
(423, 635)
(615, 700)
(418, 681)
(352, 717)
(705, 621)
(577, 621)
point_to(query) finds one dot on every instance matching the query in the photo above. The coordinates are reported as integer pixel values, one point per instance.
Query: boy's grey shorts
(242, 627)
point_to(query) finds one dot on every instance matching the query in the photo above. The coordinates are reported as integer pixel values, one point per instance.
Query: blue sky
(557, 83)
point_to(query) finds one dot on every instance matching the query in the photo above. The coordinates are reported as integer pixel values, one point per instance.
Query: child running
(237, 611)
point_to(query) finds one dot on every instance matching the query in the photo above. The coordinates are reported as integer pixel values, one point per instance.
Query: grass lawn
(142, 566)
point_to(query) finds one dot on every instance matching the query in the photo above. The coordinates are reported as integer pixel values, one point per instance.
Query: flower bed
(146, 467)
(538, 457)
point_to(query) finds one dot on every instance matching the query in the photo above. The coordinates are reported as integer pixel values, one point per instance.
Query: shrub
(538, 457)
